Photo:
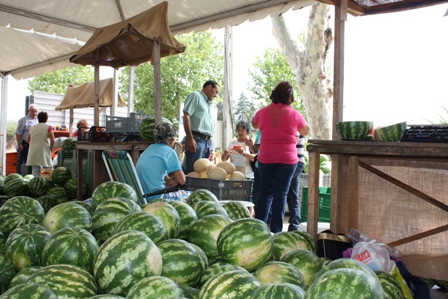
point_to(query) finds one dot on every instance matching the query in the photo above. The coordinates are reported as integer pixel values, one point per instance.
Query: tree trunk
(308, 63)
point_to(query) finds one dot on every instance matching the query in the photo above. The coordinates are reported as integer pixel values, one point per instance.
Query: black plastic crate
(95, 134)
(224, 190)
(119, 124)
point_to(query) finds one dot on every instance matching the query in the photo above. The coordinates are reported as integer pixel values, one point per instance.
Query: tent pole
(70, 126)
(96, 106)
(3, 124)
(131, 90)
(157, 83)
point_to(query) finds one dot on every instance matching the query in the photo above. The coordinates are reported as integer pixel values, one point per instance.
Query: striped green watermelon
(47, 202)
(125, 259)
(205, 231)
(186, 215)
(286, 242)
(2, 184)
(112, 189)
(20, 210)
(278, 290)
(145, 222)
(2, 242)
(392, 133)
(67, 214)
(61, 175)
(343, 283)
(25, 244)
(29, 291)
(27, 178)
(12, 176)
(73, 246)
(66, 281)
(71, 187)
(168, 215)
(38, 186)
(246, 243)
(156, 287)
(23, 275)
(15, 187)
(189, 292)
(236, 284)
(204, 208)
(236, 210)
(7, 272)
(202, 256)
(68, 144)
(279, 272)
(354, 129)
(217, 268)
(308, 239)
(107, 296)
(201, 195)
(391, 286)
(85, 205)
(108, 213)
(181, 262)
(306, 262)
(345, 263)
(57, 194)
(147, 127)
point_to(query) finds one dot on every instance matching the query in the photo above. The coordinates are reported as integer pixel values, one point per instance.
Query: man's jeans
(292, 199)
(202, 151)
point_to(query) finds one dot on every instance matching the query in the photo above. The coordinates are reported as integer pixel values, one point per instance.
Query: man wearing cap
(198, 124)
(22, 132)
(158, 166)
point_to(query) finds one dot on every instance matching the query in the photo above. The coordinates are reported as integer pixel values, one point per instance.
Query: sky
(395, 67)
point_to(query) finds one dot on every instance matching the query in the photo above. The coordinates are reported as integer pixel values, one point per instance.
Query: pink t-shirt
(278, 124)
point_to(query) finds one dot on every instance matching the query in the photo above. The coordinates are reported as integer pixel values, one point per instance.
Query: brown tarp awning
(83, 96)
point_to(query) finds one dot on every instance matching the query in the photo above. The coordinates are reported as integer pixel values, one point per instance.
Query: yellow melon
(227, 166)
(237, 176)
(200, 165)
(217, 173)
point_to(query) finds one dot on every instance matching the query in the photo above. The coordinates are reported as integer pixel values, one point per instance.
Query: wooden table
(99, 169)
(392, 191)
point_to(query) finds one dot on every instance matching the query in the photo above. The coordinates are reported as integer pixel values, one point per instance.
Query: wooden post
(227, 107)
(96, 106)
(70, 126)
(157, 83)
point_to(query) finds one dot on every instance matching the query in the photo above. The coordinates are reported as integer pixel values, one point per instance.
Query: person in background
(292, 198)
(39, 147)
(198, 124)
(158, 166)
(83, 126)
(22, 132)
(239, 156)
(277, 158)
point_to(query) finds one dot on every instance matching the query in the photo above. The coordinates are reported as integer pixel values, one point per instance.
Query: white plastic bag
(373, 254)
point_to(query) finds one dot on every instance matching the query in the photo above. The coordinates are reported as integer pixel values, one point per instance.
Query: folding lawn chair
(120, 168)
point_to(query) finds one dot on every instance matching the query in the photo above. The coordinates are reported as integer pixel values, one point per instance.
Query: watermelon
(20, 210)
(66, 281)
(286, 242)
(391, 286)
(67, 214)
(107, 296)
(71, 245)
(168, 215)
(47, 202)
(246, 243)
(12, 176)
(342, 283)
(23, 275)
(306, 262)
(7, 272)
(181, 262)
(25, 244)
(85, 205)
(145, 222)
(345, 263)
(236, 210)
(202, 256)
(203, 208)
(279, 272)
(2, 242)
(308, 239)
(108, 213)
(189, 292)
(354, 129)
(278, 290)
(236, 284)
(2, 184)
(112, 189)
(61, 175)
(71, 187)
(217, 268)
(186, 215)
(38, 186)
(147, 127)
(392, 133)
(156, 287)
(57, 194)
(205, 231)
(28, 291)
(124, 259)
(201, 195)
(15, 187)
(68, 144)
(27, 178)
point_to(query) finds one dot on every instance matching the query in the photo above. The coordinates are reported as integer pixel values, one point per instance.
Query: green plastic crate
(324, 204)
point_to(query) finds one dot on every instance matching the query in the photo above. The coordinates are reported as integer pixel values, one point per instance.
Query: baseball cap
(164, 132)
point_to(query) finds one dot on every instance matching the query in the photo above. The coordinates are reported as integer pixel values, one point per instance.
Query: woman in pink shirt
(277, 158)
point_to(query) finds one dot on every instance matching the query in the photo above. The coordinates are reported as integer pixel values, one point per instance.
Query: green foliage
(440, 118)
(244, 109)
(268, 70)
(57, 81)
(181, 74)
(11, 127)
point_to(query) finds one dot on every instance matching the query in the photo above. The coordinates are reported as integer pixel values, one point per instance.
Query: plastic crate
(224, 190)
(324, 204)
(131, 124)
(95, 134)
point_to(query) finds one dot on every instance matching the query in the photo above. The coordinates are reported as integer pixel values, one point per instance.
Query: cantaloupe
(217, 173)
(209, 168)
(200, 165)
(237, 176)
(194, 174)
(227, 166)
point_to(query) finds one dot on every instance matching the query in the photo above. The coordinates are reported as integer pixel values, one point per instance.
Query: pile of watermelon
(111, 247)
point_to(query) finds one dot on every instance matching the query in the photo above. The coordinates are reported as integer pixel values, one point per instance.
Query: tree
(309, 65)
(57, 81)
(268, 70)
(181, 74)
(244, 109)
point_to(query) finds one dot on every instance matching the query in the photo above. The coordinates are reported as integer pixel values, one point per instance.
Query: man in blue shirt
(198, 124)
(22, 132)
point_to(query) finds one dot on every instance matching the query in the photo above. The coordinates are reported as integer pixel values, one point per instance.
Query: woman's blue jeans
(275, 181)
(293, 199)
